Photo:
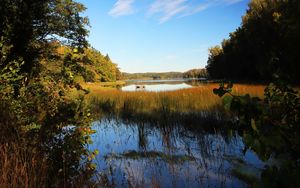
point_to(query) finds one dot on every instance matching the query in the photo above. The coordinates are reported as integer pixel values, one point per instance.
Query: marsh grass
(136, 155)
(20, 167)
(184, 105)
(198, 162)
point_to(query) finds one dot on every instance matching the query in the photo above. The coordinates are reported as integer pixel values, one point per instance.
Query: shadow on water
(135, 153)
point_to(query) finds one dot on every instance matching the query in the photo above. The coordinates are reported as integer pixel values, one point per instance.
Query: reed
(21, 168)
(198, 100)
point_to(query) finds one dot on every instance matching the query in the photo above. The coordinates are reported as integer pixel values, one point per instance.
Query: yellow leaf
(253, 124)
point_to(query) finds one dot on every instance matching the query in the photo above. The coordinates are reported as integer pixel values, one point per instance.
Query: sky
(161, 35)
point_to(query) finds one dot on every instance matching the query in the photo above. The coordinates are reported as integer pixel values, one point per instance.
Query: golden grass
(21, 168)
(190, 100)
(96, 86)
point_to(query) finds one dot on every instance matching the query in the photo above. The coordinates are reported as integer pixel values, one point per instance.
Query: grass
(21, 168)
(136, 155)
(197, 100)
(99, 86)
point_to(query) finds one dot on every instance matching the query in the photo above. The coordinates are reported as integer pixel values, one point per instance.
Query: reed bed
(197, 100)
(21, 168)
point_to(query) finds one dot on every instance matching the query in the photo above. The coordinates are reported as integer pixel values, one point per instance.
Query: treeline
(266, 43)
(92, 65)
(195, 73)
(152, 75)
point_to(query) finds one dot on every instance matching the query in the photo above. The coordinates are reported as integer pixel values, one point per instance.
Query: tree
(30, 26)
(195, 73)
(214, 62)
(266, 43)
(34, 106)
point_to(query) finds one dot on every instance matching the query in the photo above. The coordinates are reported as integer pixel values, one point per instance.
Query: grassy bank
(192, 102)
(95, 87)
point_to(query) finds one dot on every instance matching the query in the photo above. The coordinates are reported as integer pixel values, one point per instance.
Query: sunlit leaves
(266, 42)
(270, 126)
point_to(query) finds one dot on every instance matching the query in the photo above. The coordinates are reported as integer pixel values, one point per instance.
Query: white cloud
(168, 9)
(122, 8)
(232, 1)
(208, 4)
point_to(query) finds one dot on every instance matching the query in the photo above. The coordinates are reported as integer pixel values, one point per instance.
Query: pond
(141, 154)
(161, 85)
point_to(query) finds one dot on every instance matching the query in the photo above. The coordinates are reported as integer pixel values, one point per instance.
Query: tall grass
(21, 168)
(198, 100)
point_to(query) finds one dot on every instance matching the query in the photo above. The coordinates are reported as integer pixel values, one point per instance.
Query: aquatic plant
(184, 105)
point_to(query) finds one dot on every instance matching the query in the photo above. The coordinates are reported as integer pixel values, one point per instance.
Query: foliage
(188, 105)
(267, 42)
(36, 119)
(36, 114)
(271, 129)
(195, 73)
(29, 26)
(9, 73)
(152, 75)
(91, 65)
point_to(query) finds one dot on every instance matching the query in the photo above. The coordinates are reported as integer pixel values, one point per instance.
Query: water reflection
(156, 87)
(161, 85)
(143, 154)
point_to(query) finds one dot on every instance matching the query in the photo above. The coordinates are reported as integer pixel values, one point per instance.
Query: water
(148, 155)
(160, 85)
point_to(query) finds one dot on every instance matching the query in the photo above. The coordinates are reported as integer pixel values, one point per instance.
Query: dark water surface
(149, 155)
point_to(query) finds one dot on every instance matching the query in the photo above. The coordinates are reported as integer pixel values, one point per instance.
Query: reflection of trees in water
(66, 154)
(176, 152)
(142, 137)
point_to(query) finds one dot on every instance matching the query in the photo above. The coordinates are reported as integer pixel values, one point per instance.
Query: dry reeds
(21, 168)
(186, 101)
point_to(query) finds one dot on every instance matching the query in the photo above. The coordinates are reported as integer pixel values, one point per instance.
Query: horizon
(161, 35)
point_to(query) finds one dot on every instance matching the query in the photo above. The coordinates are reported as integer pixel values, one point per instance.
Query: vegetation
(132, 154)
(152, 75)
(38, 145)
(264, 48)
(267, 42)
(91, 65)
(271, 129)
(192, 104)
(195, 73)
(45, 128)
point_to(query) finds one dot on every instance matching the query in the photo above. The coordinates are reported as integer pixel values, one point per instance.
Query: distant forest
(193, 73)
(266, 43)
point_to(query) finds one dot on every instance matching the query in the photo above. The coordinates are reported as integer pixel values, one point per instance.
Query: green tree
(267, 42)
(35, 110)
(29, 26)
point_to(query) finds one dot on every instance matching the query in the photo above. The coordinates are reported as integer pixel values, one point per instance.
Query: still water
(148, 155)
(160, 85)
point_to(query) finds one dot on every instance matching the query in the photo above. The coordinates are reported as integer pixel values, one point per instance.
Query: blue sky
(161, 35)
